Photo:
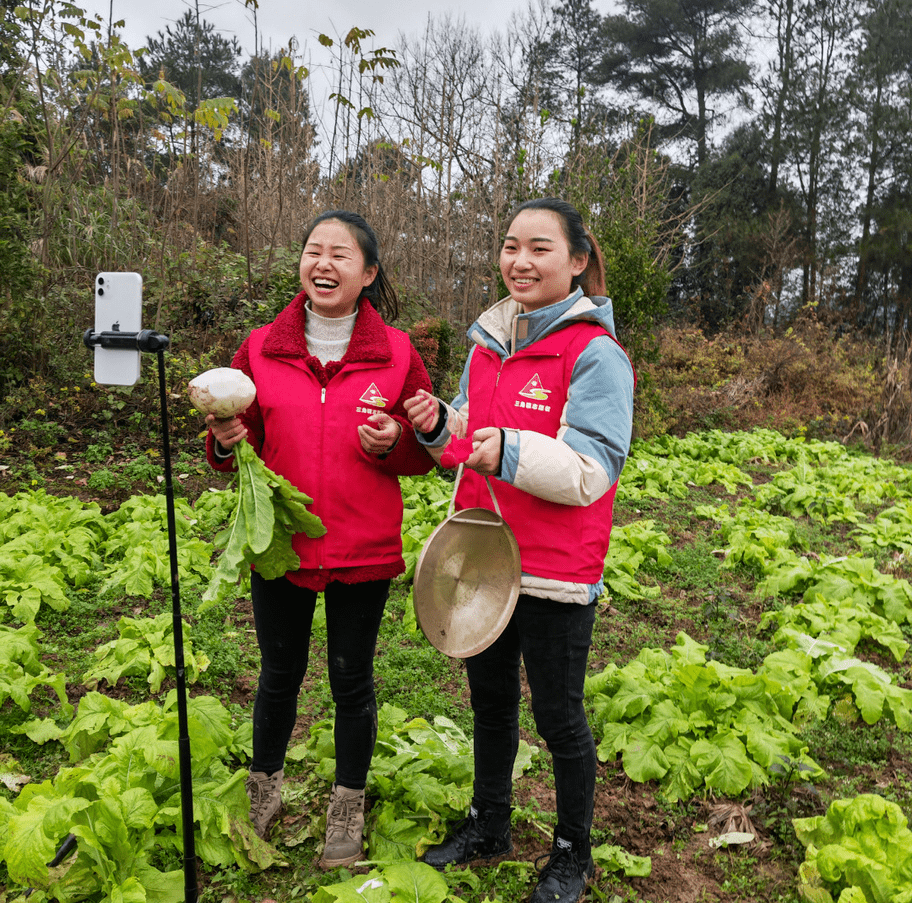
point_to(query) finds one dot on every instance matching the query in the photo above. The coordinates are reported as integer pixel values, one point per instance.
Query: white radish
(222, 391)
(269, 512)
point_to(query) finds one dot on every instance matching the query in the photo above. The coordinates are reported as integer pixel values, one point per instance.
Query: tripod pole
(149, 340)
(191, 893)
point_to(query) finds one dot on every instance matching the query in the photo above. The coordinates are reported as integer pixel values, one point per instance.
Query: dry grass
(801, 382)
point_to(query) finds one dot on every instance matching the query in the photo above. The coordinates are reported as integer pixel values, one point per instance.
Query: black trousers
(283, 614)
(553, 640)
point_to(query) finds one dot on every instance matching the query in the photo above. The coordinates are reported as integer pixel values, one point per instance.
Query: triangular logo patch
(535, 390)
(372, 396)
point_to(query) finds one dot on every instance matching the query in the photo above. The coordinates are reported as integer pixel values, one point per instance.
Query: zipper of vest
(510, 352)
(322, 443)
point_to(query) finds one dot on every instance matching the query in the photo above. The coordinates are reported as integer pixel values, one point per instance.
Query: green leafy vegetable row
(123, 806)
(694, 724)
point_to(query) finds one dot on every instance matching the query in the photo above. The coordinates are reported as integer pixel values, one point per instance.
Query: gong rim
(466, 582)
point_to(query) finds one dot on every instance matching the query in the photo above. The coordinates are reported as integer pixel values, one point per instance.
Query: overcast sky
(278, 20)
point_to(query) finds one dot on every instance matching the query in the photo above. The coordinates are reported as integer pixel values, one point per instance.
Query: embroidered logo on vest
(537, 392)
(372, 396)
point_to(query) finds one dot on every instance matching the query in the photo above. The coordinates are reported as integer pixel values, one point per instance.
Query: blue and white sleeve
(587, 456)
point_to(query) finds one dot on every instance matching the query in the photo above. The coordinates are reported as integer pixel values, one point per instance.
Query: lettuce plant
(692, 723)
(860, 851)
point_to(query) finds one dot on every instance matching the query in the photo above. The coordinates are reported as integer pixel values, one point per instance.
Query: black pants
(553, 640)
(283, 614)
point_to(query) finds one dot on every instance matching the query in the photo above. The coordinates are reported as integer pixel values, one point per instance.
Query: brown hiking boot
(344, 827)
(265, 799)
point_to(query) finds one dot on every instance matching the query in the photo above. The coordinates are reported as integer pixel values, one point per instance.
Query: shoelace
(566, 863)
(460, 826)
(259, 796)
(345, 814)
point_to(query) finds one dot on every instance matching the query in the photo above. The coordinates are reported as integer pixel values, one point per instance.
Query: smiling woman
(331, 379)
(334, 270)
(546, 399)
(536, 262)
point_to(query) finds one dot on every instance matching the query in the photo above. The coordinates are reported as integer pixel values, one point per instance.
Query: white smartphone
(118, 308)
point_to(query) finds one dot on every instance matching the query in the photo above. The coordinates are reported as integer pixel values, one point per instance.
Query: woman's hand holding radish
(226, 432)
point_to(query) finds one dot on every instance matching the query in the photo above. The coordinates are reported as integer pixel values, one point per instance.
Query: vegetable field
(750, 693)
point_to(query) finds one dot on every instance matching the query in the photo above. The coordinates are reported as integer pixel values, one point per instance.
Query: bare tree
(439, 112)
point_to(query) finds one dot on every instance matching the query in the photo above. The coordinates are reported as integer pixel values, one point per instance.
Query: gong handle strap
(456, 489)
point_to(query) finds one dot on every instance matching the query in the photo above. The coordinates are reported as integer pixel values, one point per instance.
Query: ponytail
(383, 296)
(592, 279)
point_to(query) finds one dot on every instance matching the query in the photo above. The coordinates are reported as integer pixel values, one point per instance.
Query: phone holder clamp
(145, 340)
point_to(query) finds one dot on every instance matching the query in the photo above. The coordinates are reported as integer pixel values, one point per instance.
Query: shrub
(434, 339)
(803, 379)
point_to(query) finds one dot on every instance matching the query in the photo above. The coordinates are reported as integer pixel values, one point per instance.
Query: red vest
(528, 391)
(311, 439)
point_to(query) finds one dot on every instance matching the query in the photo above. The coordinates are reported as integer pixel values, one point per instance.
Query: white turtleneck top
(328, 337)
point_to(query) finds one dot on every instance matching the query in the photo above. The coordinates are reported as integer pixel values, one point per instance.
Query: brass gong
(467, 580)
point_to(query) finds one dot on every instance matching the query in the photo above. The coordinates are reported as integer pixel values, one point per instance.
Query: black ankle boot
(564, 877)
(482, 835)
